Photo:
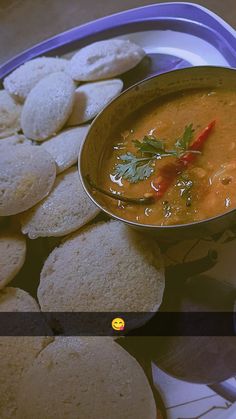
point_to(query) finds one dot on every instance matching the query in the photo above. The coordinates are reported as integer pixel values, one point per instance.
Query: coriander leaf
(127, 169)
(142, 172)
(150, 144)
(183, 143)
(127, 157)
(154, 147)
(133, 168)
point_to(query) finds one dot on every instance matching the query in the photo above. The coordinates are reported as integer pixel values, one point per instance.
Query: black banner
(117, 324)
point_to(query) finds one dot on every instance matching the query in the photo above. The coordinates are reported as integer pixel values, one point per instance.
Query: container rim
(133, 223)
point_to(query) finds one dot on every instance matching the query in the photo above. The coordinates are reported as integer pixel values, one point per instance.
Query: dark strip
(99, 324)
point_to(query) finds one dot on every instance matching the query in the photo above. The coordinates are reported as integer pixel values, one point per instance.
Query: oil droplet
(147, 211)
(152, 131)
(116, 180)
(211, 93)
(119, 146)
(114, 192)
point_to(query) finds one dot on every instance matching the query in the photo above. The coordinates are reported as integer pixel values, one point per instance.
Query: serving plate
(183, 33)
(174, 36)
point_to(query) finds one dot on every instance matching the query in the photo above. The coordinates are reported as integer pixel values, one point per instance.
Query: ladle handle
(195, 267)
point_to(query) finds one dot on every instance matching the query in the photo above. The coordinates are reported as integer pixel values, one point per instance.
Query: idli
(66, 209)
(106, 267)
(16, 299)
(16, 352)
(105, 59)
(12, 256)
(16, 139)
(10, 112)
(65, 147)
(22, 80)
(48, 106)
(91, 98)
(85, 378)
(27, 175)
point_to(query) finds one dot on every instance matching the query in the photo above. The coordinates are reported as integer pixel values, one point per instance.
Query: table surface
(24, 23)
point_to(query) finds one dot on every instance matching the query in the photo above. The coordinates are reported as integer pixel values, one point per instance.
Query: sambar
(147, 149)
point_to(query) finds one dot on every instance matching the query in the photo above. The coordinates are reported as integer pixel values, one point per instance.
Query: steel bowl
(131, 100)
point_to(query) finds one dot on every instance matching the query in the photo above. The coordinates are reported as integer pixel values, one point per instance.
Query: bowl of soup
(162, 156)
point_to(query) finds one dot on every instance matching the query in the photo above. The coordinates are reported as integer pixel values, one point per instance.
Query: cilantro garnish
(140, 166)
(182, 144)
(133, 168)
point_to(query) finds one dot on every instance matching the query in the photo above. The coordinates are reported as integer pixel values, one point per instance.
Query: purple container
(197, 36)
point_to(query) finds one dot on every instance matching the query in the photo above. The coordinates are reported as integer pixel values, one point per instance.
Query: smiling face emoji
(118, 324)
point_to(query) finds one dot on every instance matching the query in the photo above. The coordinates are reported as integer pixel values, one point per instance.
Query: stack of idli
(47, 88)
(102, 266)
(86, 378)
(40, 100)
(100, 61)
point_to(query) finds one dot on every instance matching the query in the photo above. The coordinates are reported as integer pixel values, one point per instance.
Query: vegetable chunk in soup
(180, 154)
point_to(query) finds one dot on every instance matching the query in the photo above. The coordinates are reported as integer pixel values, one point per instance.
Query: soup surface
(184, 159)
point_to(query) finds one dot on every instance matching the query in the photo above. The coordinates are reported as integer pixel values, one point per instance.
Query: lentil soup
(180, 154)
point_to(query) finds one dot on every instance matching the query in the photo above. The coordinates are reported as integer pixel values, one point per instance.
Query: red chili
(170, 171)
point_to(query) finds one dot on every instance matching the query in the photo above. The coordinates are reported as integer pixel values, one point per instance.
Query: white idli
(66, 209)
(12, 256)
(105, 59)
(64, 147)
(91, 98)
(10, 112)
(48, 106)
(16, 139)
(107, 267)
(16, 352)
(22, 80)
(85, 378)
(27, 175)
(16, 299)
